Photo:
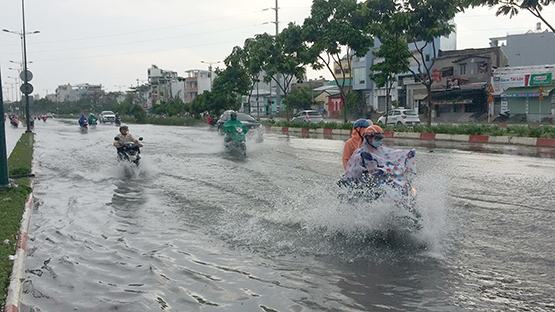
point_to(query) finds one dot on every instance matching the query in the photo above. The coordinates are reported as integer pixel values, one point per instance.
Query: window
(462, 69)
(427, 57)
(447, 71)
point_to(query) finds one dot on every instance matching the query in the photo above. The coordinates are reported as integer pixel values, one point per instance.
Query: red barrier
(389, 134)
(285, 130)
(477, 138)
(304, 133)
(427, 136)
(545, 142)
(328, 133)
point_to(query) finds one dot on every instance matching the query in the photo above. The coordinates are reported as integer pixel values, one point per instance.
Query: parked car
(107, 116)
(311, 116)
(400, 116)
(256, 130)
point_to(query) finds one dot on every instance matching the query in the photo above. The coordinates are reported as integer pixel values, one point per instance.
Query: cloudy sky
(113, 42)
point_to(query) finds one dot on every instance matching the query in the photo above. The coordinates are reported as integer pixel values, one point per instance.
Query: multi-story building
(196, 82)
(531, 48)
(408, 92)
(461, 82)
(69, 93)
(160, 84)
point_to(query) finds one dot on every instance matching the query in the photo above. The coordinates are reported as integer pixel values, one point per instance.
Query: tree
(393, 51)
(334, 33)
(422, 22)
(513, 7)
(299, 98)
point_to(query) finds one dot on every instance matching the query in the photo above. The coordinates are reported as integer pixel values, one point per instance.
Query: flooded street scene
(277, 156)
(271, 235)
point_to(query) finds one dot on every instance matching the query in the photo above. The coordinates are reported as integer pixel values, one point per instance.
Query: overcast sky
(113, 42)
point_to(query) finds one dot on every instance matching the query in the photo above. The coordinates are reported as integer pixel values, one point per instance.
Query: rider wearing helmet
(374, 159)
(355, 141)
(231, 125)
(125, 137)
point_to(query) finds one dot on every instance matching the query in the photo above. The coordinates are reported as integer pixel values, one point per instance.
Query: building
(69, 93)
(196, 82)
(160, 84)
(408, 92)
(531, 48)
(461, 81)
(527, 92)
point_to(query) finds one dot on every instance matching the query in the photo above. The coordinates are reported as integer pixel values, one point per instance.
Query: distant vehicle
(401, 116)
(256, 130)
(107, 116)
(311, 116)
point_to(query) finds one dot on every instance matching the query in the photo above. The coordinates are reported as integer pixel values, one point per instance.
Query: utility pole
(278, 95)
(4, 181)
(25, 71)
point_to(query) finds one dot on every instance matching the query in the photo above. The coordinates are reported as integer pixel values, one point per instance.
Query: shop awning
(526, 92)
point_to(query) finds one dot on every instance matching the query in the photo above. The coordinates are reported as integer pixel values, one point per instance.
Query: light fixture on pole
(26, 88)
(210, 70)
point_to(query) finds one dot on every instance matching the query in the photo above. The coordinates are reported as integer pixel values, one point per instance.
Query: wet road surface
(195, 230)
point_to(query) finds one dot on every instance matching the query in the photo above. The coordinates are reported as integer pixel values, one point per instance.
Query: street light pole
(25, 78)
(4, 181)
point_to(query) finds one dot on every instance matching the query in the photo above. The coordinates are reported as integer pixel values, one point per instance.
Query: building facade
(408, 92)
(526, 92)
(461, 82)
(529, 49)
(196, 82)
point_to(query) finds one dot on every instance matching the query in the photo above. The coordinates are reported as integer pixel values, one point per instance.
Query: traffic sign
(26, 88)
(29, 75)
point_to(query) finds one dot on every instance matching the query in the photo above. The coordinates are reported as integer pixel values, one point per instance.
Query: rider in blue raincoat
(83, 121)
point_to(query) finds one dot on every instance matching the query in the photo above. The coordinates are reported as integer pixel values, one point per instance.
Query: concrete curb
(18, 270)
(331, 133)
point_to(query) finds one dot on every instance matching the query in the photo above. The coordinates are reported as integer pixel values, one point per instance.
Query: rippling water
(194, 230)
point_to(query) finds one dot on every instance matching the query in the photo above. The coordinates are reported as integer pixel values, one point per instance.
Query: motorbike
(235, 142)
(130, 152)
(117, 122)
(503, 117)
(84, 126)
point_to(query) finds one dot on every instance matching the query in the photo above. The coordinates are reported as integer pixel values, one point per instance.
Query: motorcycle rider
(373, 159)
(355, 141)
(231, 125)
(83, 120)
(124, 137)
(117, 120)
(92, 119)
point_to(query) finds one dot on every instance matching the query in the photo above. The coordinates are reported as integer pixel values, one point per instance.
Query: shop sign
(504, 106)
(540, 79)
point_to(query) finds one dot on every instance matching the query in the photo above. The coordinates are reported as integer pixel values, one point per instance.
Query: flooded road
(195, 230)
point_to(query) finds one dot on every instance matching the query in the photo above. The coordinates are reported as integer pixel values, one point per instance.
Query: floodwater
(196, 230)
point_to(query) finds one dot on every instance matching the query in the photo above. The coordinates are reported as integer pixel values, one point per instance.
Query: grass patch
(12, 203)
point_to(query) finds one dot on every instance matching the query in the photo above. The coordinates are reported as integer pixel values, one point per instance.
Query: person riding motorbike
(83, 121)
(355, 141)
(92, 119)
(117, 120)
(124, 137)
(374, 160)
(231, 125)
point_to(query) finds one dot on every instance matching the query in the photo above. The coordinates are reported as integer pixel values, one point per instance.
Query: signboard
(504, 82)
(540, 79)
(29, 75)
(26, 88)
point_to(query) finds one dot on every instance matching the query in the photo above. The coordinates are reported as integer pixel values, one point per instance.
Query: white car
(312, 116)
(107, 116)
(400, 116)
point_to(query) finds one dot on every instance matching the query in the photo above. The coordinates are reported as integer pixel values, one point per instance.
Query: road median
(15, 209)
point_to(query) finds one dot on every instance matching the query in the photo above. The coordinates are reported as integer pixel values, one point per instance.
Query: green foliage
(299, 98)
(173, 107)
(12, 203)
(513, 7)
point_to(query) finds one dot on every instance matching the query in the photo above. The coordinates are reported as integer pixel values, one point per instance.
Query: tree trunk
(429, 100)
